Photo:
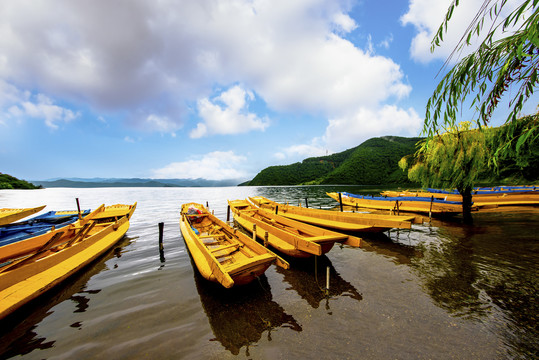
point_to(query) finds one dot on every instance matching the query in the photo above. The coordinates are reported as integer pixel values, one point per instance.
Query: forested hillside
(373, 162)
(10, 182)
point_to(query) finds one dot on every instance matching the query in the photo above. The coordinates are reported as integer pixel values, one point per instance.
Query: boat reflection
(396, 246)
(17, 331)
(308, 278)
(239, 316)
(488, 272)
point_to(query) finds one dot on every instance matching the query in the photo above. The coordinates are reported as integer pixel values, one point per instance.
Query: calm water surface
(442, 290)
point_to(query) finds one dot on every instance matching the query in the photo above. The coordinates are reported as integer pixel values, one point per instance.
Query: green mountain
(373, 162)
(10, 182)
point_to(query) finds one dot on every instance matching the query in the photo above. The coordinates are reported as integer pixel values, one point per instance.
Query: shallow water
(440, 290)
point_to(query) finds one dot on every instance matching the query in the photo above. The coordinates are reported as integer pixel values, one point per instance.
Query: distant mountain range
(131, 182)
(374, 162)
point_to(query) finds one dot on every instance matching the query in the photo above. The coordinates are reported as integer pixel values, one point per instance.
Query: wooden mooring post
(161, 249)
(327, 279)
(78, 208)
(430, 209)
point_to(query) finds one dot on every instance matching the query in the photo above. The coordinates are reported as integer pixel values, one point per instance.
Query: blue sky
(209, 89)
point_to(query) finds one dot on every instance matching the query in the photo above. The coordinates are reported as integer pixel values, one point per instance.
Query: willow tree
(505, 65)
(452, 160)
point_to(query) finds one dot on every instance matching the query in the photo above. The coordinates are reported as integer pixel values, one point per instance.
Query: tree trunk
(466, 204)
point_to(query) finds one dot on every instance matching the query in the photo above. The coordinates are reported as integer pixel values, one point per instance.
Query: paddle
(20, 262)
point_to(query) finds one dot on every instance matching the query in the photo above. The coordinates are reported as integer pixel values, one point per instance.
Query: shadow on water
(239, 316)
(307, 277)
(17, 331)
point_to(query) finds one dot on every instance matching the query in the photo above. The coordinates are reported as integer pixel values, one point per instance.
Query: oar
(81, 234)
(18, 263)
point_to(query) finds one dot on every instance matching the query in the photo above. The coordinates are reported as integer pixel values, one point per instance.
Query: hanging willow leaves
(490, 73)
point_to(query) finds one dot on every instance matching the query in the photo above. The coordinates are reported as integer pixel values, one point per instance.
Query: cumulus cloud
(232, 117)
(217, 165)
(344, 23)
(154, 59)
(426, 16)
(352, 130)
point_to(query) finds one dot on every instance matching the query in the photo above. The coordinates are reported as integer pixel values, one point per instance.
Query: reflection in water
(17, 331)
(488, 273)
(398, 248)
(239, 316)
(82, 301)
(308, 278)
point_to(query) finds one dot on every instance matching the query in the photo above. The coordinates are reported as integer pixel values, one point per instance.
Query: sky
(210, 89)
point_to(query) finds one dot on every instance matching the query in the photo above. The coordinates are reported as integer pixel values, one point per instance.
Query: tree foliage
(10, 182)
(498, 68)
(455, 159)
(371, 163)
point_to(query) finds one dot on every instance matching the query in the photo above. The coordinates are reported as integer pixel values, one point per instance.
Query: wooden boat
(289, 236)
(398, 204)
(7, 216)
(343, 221)
(38, 225)
(222, 254)
(481, 197)
(30, 267)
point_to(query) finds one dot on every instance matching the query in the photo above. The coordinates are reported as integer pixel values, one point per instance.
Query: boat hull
(290, 237)
(480, 198)
(7, 216)
(397, 204)
(340, 221)
(22, 284)
(220, 253)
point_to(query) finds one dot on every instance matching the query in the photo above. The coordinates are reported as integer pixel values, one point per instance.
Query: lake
(440, 290)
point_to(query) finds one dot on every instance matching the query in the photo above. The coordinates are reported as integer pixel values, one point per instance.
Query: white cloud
(231, 118)
(352, 130)
(158, 57)
(302, 151)
(427, 16)
(344, 23)
(15, 104)
(161, 124)
(217, 165)
(129, 139)
(386, 42)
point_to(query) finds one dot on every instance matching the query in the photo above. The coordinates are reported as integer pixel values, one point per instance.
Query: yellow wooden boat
(7, 216)
(31, 267)
(340, 221)
(398, 204)
(480, 198)
(222, 254)
(289, 236)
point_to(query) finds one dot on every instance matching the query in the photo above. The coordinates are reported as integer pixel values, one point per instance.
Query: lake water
(439, 291)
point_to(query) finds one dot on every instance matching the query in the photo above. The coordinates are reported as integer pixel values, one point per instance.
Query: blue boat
(491, 190)
(37, 225)
(399, 203)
